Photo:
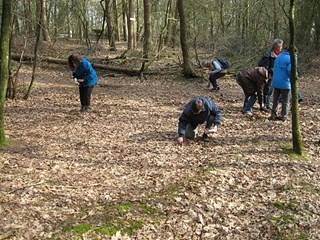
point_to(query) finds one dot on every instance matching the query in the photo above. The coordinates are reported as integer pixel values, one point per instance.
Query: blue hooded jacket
(282, 71)
(86, 72)
(187, 117)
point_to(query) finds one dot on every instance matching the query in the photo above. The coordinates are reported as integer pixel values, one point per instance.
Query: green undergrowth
(121, 217)
(288, 150)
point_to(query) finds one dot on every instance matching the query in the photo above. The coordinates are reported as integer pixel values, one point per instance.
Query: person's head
(277, 45)
(205, 63)
(74, 61)
(197, 106)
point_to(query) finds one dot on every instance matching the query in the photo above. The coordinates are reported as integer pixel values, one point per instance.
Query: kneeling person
(198, 111)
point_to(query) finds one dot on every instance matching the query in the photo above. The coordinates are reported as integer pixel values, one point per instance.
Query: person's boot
(205, 137)
(84, 108)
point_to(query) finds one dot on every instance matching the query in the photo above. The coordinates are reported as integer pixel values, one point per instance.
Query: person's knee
(190, 135)
(191, 132)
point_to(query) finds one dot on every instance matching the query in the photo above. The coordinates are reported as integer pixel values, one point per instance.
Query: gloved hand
(214, 129)
(76, 80)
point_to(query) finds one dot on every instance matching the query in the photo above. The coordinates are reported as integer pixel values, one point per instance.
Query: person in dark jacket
(267, 61)
(198, 111)
(85, 76)
(252, 82)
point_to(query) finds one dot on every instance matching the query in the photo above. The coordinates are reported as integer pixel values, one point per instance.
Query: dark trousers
(210, 121)
(85, 95)
(213, 79)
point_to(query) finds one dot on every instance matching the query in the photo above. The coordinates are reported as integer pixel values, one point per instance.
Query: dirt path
(84, 176)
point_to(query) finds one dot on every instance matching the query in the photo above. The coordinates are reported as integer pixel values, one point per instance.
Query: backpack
(224, 63)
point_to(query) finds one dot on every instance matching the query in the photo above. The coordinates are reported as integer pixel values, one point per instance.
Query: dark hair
(197, 106)
(74, 58)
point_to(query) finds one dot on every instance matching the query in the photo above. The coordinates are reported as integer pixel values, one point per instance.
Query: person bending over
(85, 76)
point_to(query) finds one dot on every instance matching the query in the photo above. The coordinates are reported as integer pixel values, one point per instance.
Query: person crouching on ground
(85, 76)
(214, 72)
(198, 111)
(252, 82)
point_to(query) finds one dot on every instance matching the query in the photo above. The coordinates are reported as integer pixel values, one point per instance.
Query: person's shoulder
(284, 54)
(267, 53)
(207, 101)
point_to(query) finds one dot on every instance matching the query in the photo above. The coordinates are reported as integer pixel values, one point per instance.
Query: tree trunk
(275, 20)
(4, 65)
(187, 67)
(164, 29)
(110, 27)
(38, 35)
(221, 13)
(147, 29)
(124, 20)
(174, 35)
(296, 135)
(27, 16)
(169, 27)
(116, 20)
(131, 25)
(43, 21)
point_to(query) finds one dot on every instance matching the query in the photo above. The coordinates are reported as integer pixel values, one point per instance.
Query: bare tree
(43, 21)
(4, 57)
(110, 26)
(147, 29)
(187, 67)
(296, 135)
(116, 20)
(131, 26)
(38, 35)
(124, 19)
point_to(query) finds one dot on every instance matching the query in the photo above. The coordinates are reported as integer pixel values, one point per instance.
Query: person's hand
(180, 140)
(212, 130)
(264, 109)
(76, 80)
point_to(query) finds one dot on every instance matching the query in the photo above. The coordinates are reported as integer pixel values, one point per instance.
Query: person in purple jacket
(198, 111)
(85, 76)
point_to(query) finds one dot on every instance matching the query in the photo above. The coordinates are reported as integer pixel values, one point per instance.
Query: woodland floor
(68, 175)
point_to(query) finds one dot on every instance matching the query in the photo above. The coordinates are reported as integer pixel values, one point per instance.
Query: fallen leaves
(65, 168)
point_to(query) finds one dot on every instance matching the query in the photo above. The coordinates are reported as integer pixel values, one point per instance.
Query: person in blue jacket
(198, 111)
(85, 76)
(282, 85)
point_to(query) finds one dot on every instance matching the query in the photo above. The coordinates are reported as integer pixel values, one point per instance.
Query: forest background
(117, 172)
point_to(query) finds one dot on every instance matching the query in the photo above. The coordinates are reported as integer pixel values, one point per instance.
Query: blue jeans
(267, 95)
(300, 98)
(284, 94)
(249, 102)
